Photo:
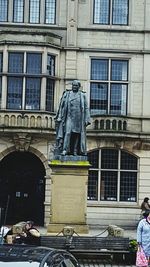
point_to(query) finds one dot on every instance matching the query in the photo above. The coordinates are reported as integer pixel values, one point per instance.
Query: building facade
(44, 45)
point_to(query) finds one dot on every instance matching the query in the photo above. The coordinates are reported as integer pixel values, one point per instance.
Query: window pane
(18, 10)
(3, 10)
(50, 7)
(0, 90)
(99, 69)
(93, 158)
(1, 62)
(119, 70)
(51, 65)
(108, 188)
(34, 63)
(14, 93)
(128, 186)
(34, 11)
(109, 159)
(93, 185)
(128, 161)
(33, 93)
(50, 95)
(15, 64)
(101, 11)
(118, 95)
(98, 98)
(120, 12)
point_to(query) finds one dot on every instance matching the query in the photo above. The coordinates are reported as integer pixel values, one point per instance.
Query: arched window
(112, 176)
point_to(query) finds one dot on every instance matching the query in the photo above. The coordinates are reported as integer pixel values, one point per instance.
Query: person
(5, 232)
(30, 235)
(71, 121)
(143, 234)
(144, 206)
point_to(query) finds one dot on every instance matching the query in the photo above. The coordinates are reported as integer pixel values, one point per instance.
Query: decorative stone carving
(22, 141)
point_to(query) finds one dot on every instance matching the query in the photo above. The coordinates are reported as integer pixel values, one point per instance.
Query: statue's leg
(66, 144)
(76, 144)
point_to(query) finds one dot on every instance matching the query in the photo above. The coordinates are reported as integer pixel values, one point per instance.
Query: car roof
(32, 254)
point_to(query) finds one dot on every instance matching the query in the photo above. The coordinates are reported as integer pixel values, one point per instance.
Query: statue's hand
(87, 123)
(59, 119)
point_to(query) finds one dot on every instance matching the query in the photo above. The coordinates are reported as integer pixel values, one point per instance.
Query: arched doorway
(22, 188)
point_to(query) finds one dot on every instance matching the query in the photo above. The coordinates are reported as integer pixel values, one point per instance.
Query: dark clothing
(29, 239)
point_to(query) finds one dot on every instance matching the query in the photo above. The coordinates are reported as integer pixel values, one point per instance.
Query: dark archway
(22, 188)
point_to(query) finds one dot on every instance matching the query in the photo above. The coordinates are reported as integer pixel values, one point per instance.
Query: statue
(71, 121)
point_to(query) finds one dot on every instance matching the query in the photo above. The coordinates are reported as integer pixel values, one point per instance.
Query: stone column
(69, 195)
(72, 23)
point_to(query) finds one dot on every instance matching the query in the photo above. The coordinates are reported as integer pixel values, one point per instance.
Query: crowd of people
(30, 235)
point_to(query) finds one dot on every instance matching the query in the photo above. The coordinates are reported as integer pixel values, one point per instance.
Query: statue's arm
(87, 112)
(59, 113)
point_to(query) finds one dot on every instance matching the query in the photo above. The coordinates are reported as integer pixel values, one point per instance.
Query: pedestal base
(69, 195)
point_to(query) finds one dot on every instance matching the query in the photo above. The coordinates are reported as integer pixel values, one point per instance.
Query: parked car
(32, 256)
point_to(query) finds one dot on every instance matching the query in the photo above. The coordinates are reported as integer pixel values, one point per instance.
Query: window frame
(7, 104)
(34, 73)
(109, 82)
(6, 14)
(110, 15)
(99, 169)
(29, 18)
(54, 22)
(22, 12)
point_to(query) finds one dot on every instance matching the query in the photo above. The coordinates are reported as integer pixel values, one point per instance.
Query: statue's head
(76, 85)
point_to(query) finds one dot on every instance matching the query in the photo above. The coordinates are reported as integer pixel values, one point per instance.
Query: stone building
(44, 45)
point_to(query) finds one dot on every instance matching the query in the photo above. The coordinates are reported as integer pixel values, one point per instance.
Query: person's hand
(139, 247)
(23, 234)
(59, 119)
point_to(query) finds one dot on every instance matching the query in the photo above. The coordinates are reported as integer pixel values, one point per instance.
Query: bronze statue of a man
(71, 120)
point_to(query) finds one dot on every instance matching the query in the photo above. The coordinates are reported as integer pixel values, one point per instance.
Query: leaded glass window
(0, 90)
(14, 93)
(50, 95)
(3, 10)
(50, 9)
(1, 62)
(120, 12)
(1, 69)
(109, 86)
(33, 93)
(18, 10)
(113, 177)
(101, 11)
(34, 63)
(51, 65)
(34, 11)
(111, 12)
(24, 81)
(16, 62)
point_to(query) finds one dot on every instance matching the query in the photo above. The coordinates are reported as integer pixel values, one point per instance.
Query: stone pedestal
(69, 195)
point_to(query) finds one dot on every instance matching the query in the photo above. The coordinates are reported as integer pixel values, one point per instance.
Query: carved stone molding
(22, 141)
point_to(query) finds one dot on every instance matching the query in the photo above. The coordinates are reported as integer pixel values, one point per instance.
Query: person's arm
(147, 206)
(34, 232)
(139, 233)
